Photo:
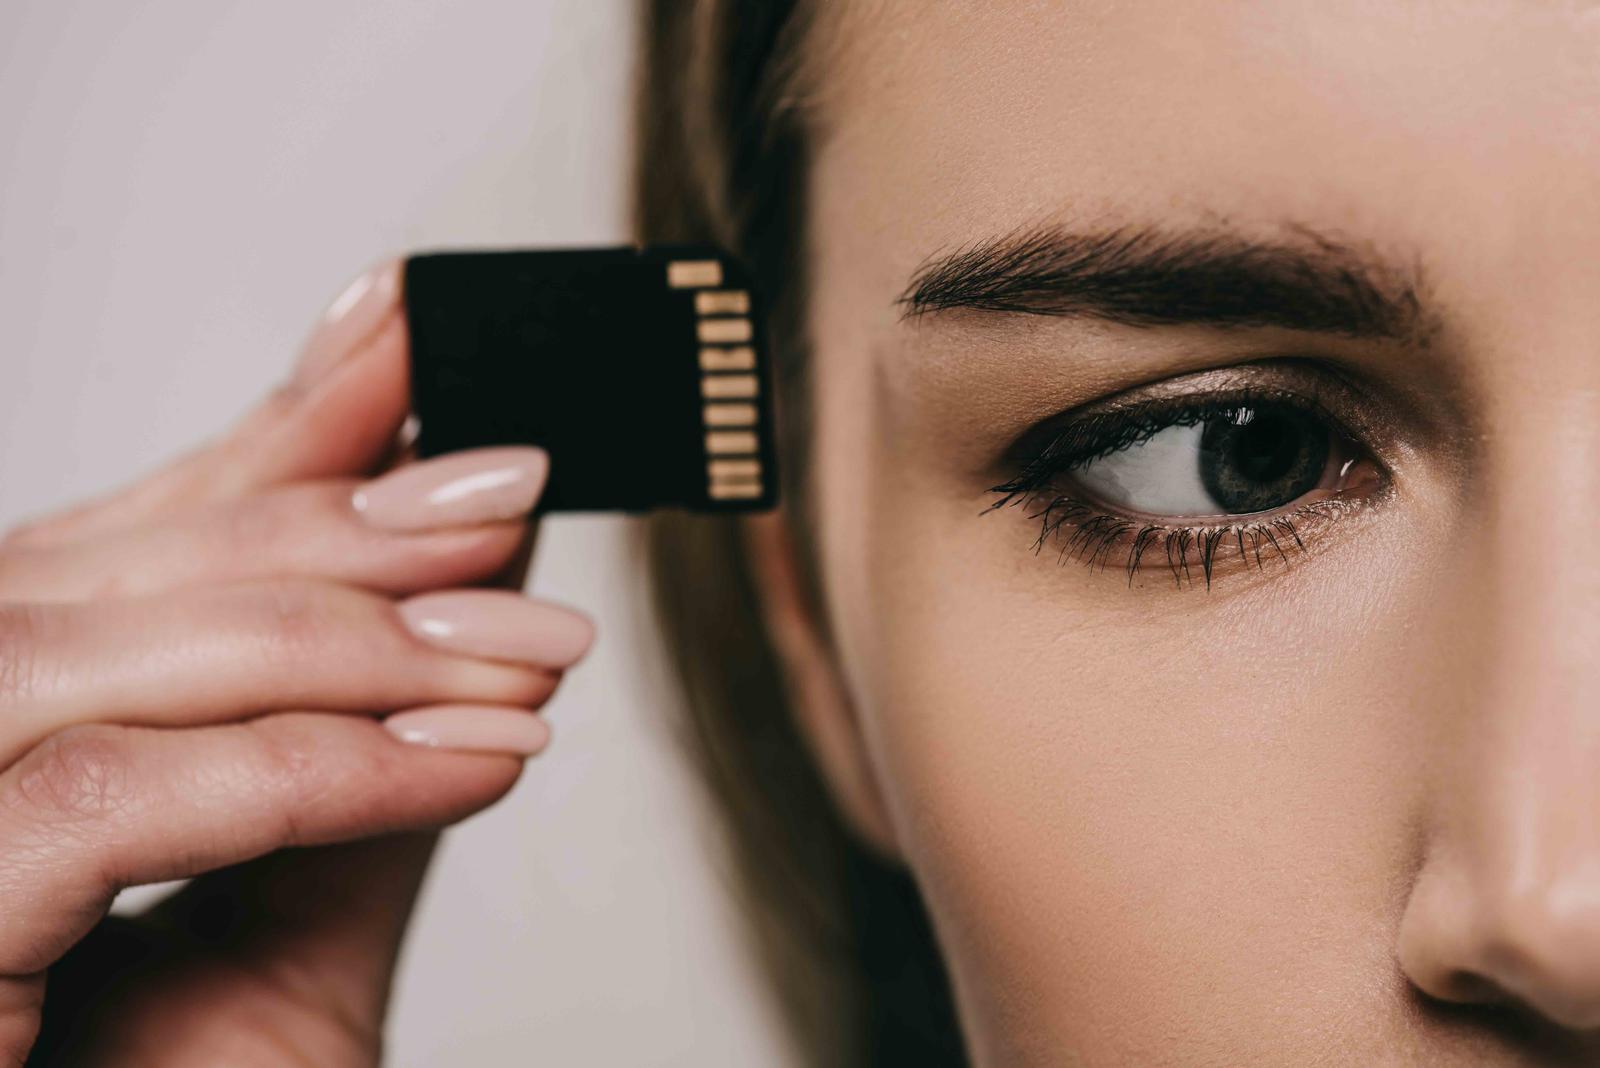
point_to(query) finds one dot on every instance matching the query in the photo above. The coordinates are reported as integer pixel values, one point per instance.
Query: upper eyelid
(1332, 394)
(1184, 411)
(1046, 459)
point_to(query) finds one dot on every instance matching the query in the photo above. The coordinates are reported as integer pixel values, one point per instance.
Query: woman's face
(1336, 269)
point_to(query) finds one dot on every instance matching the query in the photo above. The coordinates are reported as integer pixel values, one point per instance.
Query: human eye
(1237, 469)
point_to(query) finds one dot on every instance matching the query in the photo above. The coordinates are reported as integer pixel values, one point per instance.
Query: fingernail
(499, 625)
(475, 728)
(478, 486)
(353, 315)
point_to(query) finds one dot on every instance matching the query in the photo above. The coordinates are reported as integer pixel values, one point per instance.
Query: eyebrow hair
(1147, 276)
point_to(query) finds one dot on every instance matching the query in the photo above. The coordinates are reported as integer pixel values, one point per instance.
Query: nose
(1505, 908)
(1508, 910)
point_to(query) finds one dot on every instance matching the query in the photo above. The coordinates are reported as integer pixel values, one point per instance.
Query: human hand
(196, 677)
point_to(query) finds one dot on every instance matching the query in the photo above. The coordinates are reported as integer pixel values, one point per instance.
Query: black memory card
(642, 371)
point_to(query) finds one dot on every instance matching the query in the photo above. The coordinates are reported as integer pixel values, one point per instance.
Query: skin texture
(1342, 809)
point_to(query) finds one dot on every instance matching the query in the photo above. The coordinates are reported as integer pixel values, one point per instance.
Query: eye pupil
(1256, 459)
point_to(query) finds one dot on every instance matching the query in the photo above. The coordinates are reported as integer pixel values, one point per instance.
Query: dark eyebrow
(1146, 276)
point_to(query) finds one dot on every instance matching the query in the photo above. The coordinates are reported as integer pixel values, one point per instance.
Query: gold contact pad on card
(739, 359)
(728, 387)
(715, 331)
(730, 415)
(734, 470)
(732, 443)
(726, 491)
(694, 274)
(722, 302)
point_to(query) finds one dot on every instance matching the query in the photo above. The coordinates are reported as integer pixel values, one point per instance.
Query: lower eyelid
(1192, 554)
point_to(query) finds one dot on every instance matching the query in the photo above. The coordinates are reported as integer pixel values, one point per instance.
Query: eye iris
(1256, 459)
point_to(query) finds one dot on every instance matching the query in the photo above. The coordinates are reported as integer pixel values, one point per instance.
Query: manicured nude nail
(460, 489)
(476, 728)
(350, 319)
(499, 625)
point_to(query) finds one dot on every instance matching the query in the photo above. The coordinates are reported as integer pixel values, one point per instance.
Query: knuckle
(246, 528)
(255, 535)
(324, 641)
(284, 518)
(298, 618)
(302, 761)
(80, 773)
(286, 769)
(292, 522)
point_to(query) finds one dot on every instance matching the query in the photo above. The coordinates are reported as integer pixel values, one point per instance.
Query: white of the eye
(1159, 476)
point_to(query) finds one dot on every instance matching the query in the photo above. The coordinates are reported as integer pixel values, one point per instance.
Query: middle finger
(228, 653)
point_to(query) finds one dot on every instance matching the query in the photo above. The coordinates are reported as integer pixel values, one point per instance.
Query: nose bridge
(1511, 891)
(1540, 523)
(1528, 811)
(1539, 764)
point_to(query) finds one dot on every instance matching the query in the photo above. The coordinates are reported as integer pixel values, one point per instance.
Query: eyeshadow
(641, 370)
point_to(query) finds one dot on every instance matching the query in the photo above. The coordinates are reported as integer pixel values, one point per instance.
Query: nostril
(1523, 957)
(1481, 1006)
(1469, 987)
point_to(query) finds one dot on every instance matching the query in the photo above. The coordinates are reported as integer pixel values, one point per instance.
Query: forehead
(942, 122)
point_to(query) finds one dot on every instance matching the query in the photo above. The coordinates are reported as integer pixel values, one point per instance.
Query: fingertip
(500, 625)
(472, 728)
(354, 315)
(458, 489)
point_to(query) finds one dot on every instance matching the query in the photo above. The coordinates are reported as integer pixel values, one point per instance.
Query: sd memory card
(642, 371)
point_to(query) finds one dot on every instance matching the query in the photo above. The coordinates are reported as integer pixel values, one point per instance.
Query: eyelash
(1097, 533)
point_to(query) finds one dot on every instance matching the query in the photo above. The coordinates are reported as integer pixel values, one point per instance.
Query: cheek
(1146, 816)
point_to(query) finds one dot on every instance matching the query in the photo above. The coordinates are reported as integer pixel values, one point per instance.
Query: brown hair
(842, 935)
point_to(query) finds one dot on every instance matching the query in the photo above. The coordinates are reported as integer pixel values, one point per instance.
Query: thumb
(337, 414)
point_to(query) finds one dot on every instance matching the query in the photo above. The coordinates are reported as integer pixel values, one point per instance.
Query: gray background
(183, 185)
